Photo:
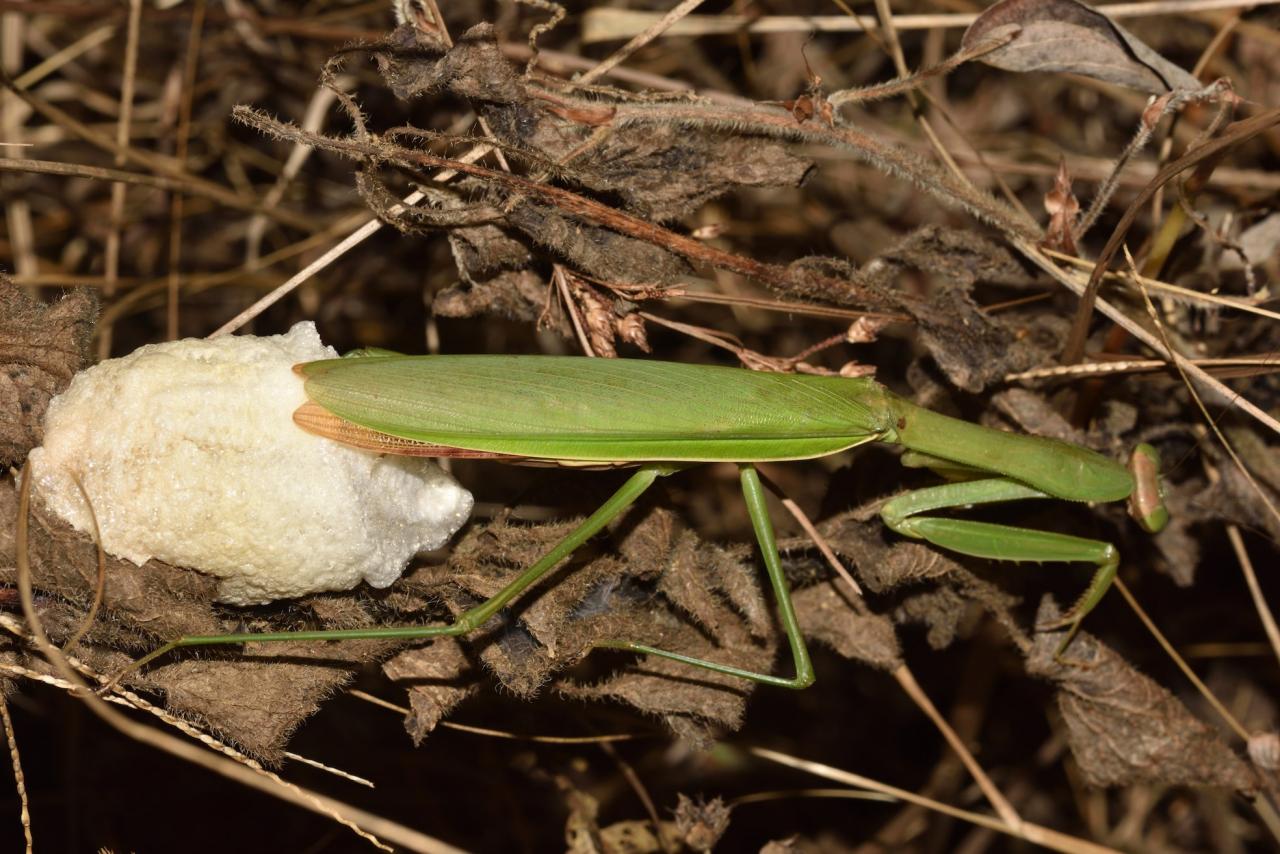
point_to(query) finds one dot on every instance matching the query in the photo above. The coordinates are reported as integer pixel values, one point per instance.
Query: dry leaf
(828, 619)
(1124, 728)
(1063, 208)
(437, 677)
(701, 823)
(41, 348)
(1259, 243)
(660, 172)
(1063, 35)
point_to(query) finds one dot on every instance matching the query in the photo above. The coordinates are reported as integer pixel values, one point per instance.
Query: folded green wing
(601, 410)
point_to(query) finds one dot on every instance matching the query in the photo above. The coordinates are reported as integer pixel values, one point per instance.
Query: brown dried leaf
(259, 697)
(518, 295)
(828, 618)
(1260, 458)
(254, 700)
(940, 611)
(483, 251)
(859, 536)
(594, 597)
(604, 597)
(696, 572)
(693, 704)
(1234, 497)
(1124, 728)
(1063, 208)
(701, 823)
(664, 172)
(1031, 413)
(1065, 35)
(596, 252)
(437, 677)
(41, 348)
(473, 68)
(660, 171)
(971, 347)
(1177, 544)
(881, 565)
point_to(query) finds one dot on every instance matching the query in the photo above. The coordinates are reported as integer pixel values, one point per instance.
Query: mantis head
(1146, 502)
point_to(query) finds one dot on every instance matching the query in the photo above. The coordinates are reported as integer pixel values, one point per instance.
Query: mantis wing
(601, 410)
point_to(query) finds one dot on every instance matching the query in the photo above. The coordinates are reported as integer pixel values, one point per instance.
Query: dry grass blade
(1213, 701)
(166, 167)
(1223, 394)
(1047, 837)
(658, 27)
(610, 24)
(1259, 601)
(19, 778)
(1174, 292)
(111, 252)
(489, 732)
(1235, 134)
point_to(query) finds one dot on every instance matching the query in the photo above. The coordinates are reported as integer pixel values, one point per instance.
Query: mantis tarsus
(663, 417)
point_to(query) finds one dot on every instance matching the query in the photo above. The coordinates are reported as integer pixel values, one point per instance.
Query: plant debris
(41, 348)
(1124, 728)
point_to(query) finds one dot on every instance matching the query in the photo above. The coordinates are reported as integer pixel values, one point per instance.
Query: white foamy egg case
(189, 454)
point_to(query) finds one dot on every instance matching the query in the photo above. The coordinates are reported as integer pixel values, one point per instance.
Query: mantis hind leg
(471, 619)
(468, 620)
(1002, 542)
(753, 492)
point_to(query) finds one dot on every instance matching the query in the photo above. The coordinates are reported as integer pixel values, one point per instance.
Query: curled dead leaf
(1063, 208)
(1065, 35)
(1123, 727)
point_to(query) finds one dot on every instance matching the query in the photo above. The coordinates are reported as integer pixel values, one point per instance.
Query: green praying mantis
(663, 417)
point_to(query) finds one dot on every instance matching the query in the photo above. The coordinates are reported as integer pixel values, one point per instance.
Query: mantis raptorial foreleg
(473, 618)
(1001, 542)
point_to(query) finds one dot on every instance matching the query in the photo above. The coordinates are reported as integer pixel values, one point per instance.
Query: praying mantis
(662, 417)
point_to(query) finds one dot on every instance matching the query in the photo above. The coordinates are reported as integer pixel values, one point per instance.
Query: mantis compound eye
(1146, 502)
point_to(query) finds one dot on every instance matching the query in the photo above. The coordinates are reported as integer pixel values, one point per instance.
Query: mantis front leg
(1002, 542)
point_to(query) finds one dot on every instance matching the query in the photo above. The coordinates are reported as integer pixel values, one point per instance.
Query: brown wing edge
(318, 421)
